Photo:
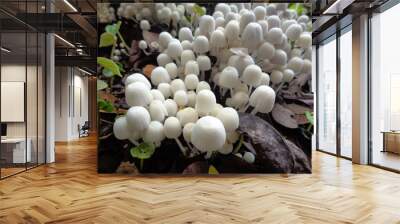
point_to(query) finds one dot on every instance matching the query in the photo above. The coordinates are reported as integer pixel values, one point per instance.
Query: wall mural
(204, 88)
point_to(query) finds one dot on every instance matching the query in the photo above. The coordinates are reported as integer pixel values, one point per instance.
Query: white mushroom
(204, 63)
(229, 78)
(138, 94)
(171, 107)
(154, 133)
(185, 33)
(275, 35)
(174, 49)
(187, 55)
(262, 99)
(163, 59)
(266, 51)
(201, 45)
(205, 102)
(165, 89)
(157, 111)
(251, 76)
(252, 36)
(120, 128)
(294, 31)
(206, 25)
(172, 70)
(187, 115)
(202, 86)
(159, 75)
(191, 81)
(192, 67)
(157, 95)
(276, 77)
(230, 118)
(172, 130)
(208, 134)
(226, 149)
(288, 75)
(176, 85)
(137, 77)
(181, 98)
(191, 98)
(138, 118)
(249, 157)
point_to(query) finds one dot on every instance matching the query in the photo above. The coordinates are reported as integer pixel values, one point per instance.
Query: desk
(16, 147)
(391, 141)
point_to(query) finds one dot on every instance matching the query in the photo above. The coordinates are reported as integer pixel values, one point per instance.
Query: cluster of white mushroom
(105, 13)
(258, 48)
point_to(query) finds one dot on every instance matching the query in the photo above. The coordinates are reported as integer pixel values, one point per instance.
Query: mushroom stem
(183, 149)
(250, 88)
(202, 75)
(243, 109)
(208, 155)
(134, 142)
(224, 90)
(279, 87)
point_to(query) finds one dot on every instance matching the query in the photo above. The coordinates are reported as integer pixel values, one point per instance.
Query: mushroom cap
(275, 35)
(138, 94)
(187, 55)
(205, 102)
(226, 149)
(264, 79)
(163, 59)
(145, 25)
(181, 98)
(172, 128)
(157, 110)
(280, 57)
(164, 38)
(249, 157)
(219, 22)
(296, 64)
(252, 36)
(229, 77)
(137, 77)
(206, 24)
(157, 95)
(276, 77)
(185, 34)
(264, 26)
(165, 89)
(208, 134)
(305, 40)
(252, 75)
(214, 112)
(159, 75)
(271, 10)
(138, 118)
(232, 30)
(192, 67)
(274, 21)
(202, 86)
(287, 23)
(176, 85)
(239, 99)
(263, 99)
(260, 12)
(172, 70)
(191, 98)
(240, 62)
(307, 67)
(293, 31)
(288, 75)
(142, 44)
(154, 133)
(266, 51)
(171, 107)
(246, 18)
(201, 45)
(120, 128)
(174, 49)
(217, 39)
(223, 7)
(230, 118)
(186, 45)
(187, 131)
(187, 115)
(191, 81)
(204, 62)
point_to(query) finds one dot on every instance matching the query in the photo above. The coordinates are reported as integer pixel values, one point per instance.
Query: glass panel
(41, 99)
(346, 94)
(327, 97)
(13, 86)
(385, 84)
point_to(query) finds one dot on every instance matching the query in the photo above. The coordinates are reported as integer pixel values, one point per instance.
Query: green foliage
(107, 39)
(109, 64)
(310, 117)
(120, 66)
(198, 10)
(101, 84)
(236, 150)
(212, 170)
(107, 73)
(143, 151)
(298, 7)
(106, 105)
(114, 28)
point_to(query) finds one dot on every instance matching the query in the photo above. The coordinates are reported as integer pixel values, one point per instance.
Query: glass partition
(385, 89)
(327, 96)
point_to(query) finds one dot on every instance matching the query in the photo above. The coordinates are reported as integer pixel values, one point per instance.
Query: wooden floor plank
(70, 191)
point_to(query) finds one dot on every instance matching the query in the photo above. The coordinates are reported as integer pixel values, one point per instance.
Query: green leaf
(199, 10)
(107, 73)
(106, 106)
(121, 66)
(101, 84)
(114, 28)
(300, 9)
(143, 151)
(107, 39)
(310, 117)
(109, 64)
(212, 170)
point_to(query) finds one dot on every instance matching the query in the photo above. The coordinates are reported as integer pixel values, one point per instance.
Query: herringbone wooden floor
(70, 191)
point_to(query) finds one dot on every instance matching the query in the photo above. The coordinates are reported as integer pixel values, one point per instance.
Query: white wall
(71, 94)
